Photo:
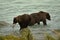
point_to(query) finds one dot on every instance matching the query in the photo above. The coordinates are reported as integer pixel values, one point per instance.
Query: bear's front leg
(38, 23)
(44, 22)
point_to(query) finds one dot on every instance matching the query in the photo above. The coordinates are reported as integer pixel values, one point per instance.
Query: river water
(11, 8)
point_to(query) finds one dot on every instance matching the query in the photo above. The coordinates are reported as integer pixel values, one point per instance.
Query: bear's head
(46, 14)
(14, 20)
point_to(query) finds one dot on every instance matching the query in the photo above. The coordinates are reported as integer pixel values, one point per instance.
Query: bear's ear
(41, 12)
(48, 16)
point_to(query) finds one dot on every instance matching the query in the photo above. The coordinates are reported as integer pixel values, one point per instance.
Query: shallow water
(12, 8)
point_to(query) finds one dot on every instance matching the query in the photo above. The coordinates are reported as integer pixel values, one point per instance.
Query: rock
(3, 23)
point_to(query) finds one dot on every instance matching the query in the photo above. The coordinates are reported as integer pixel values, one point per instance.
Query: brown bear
(26, 20)
(43, 16)
(22, 20)
(34, 19)
(40, 16)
